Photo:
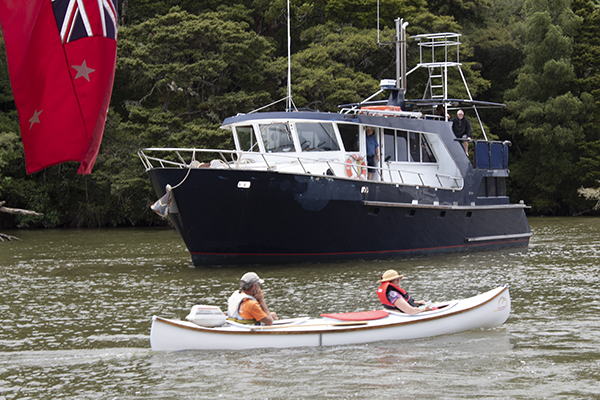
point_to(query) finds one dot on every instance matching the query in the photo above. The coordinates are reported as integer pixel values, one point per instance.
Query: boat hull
(482, 311)
(277, 218)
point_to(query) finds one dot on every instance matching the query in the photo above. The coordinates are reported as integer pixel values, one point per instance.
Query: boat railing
(275, 161)
(151, 162)
(399, 172)
(457, 180)
(381, 113)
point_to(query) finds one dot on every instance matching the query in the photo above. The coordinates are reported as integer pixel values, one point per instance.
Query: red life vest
(382, 294)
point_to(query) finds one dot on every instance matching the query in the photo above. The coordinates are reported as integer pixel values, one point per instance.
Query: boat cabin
(335, 145)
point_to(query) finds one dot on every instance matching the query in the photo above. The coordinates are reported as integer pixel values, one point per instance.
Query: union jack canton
(78, 19)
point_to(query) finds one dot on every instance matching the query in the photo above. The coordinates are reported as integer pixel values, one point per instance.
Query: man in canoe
(247, 305)
(392, 296)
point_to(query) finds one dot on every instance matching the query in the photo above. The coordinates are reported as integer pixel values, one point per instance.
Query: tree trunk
(13, 211)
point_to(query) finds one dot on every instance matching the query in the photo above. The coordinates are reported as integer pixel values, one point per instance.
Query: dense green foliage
(185, 65)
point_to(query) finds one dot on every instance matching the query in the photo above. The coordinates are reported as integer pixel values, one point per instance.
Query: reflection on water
(76, 307)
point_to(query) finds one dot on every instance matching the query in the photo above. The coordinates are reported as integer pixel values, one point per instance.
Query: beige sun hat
(251, 278)
(390, 275)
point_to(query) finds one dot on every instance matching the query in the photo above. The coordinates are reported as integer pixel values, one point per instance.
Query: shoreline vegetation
(183, 66)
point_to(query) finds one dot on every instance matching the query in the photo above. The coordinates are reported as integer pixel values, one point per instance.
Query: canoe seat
(358, 316)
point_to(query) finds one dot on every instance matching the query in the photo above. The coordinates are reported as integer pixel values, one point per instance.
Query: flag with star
(61, 59)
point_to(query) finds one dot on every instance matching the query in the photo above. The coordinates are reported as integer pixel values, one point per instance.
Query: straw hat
(390, 275)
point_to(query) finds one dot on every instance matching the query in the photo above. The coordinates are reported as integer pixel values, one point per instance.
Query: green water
(76, 307)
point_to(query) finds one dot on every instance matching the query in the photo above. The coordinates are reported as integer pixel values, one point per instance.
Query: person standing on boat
(392, 296)
(247, 305)
(462, 129)
(372, 151)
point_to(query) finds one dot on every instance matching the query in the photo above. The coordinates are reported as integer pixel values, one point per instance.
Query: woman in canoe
(392, 296)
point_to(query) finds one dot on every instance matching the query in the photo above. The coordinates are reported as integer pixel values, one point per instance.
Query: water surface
(76, 307)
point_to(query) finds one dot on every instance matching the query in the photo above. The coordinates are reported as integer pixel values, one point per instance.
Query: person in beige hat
(247, 305)
(392, 296)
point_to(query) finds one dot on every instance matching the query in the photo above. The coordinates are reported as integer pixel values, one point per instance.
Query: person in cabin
(440, 111)
(247, 305)
(393, 297)
(372, 151)
(462, 129)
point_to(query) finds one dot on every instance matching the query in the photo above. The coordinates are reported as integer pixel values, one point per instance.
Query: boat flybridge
(297, 187)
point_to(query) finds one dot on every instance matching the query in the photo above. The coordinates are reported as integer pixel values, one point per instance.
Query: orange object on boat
(382, 108)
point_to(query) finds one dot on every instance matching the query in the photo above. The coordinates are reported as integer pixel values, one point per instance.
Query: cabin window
(501, 186)
(349, 134)
(415, 146)
(426, 153)
(401, 146)
(277, 138)
(395, 145)
(317, 136)
(492, 187)
(246, 138)
(388, 145)
(482, 189)
(420, 150)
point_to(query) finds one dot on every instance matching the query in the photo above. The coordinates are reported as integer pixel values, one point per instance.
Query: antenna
(377, 21)
(288, 106)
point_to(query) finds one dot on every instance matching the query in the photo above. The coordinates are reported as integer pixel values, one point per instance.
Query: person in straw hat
(247, 305)
(393, 297)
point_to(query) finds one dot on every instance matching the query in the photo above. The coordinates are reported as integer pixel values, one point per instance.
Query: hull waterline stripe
(526, 239)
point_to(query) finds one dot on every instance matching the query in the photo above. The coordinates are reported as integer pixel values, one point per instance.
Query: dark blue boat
(295, 188)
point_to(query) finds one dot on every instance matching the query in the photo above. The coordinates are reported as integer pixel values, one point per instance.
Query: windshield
(317, 136)
(246, 138)
(277, 138)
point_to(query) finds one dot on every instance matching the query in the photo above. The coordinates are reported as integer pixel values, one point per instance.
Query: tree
(190, 65)
(363, 13)
(586, 57)
(465, 12)
(586, 61)
(545, 116)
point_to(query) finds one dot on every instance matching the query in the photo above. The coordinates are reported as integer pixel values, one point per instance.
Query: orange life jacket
(382, 294)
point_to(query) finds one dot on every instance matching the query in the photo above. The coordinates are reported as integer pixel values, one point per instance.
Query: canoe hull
(483, 311)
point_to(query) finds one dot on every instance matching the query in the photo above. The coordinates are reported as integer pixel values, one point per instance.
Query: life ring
(356, 167)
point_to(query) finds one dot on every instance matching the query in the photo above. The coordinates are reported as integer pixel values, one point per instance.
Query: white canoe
(482, 311)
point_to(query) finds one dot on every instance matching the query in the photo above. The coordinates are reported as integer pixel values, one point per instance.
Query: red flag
(61, 60)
